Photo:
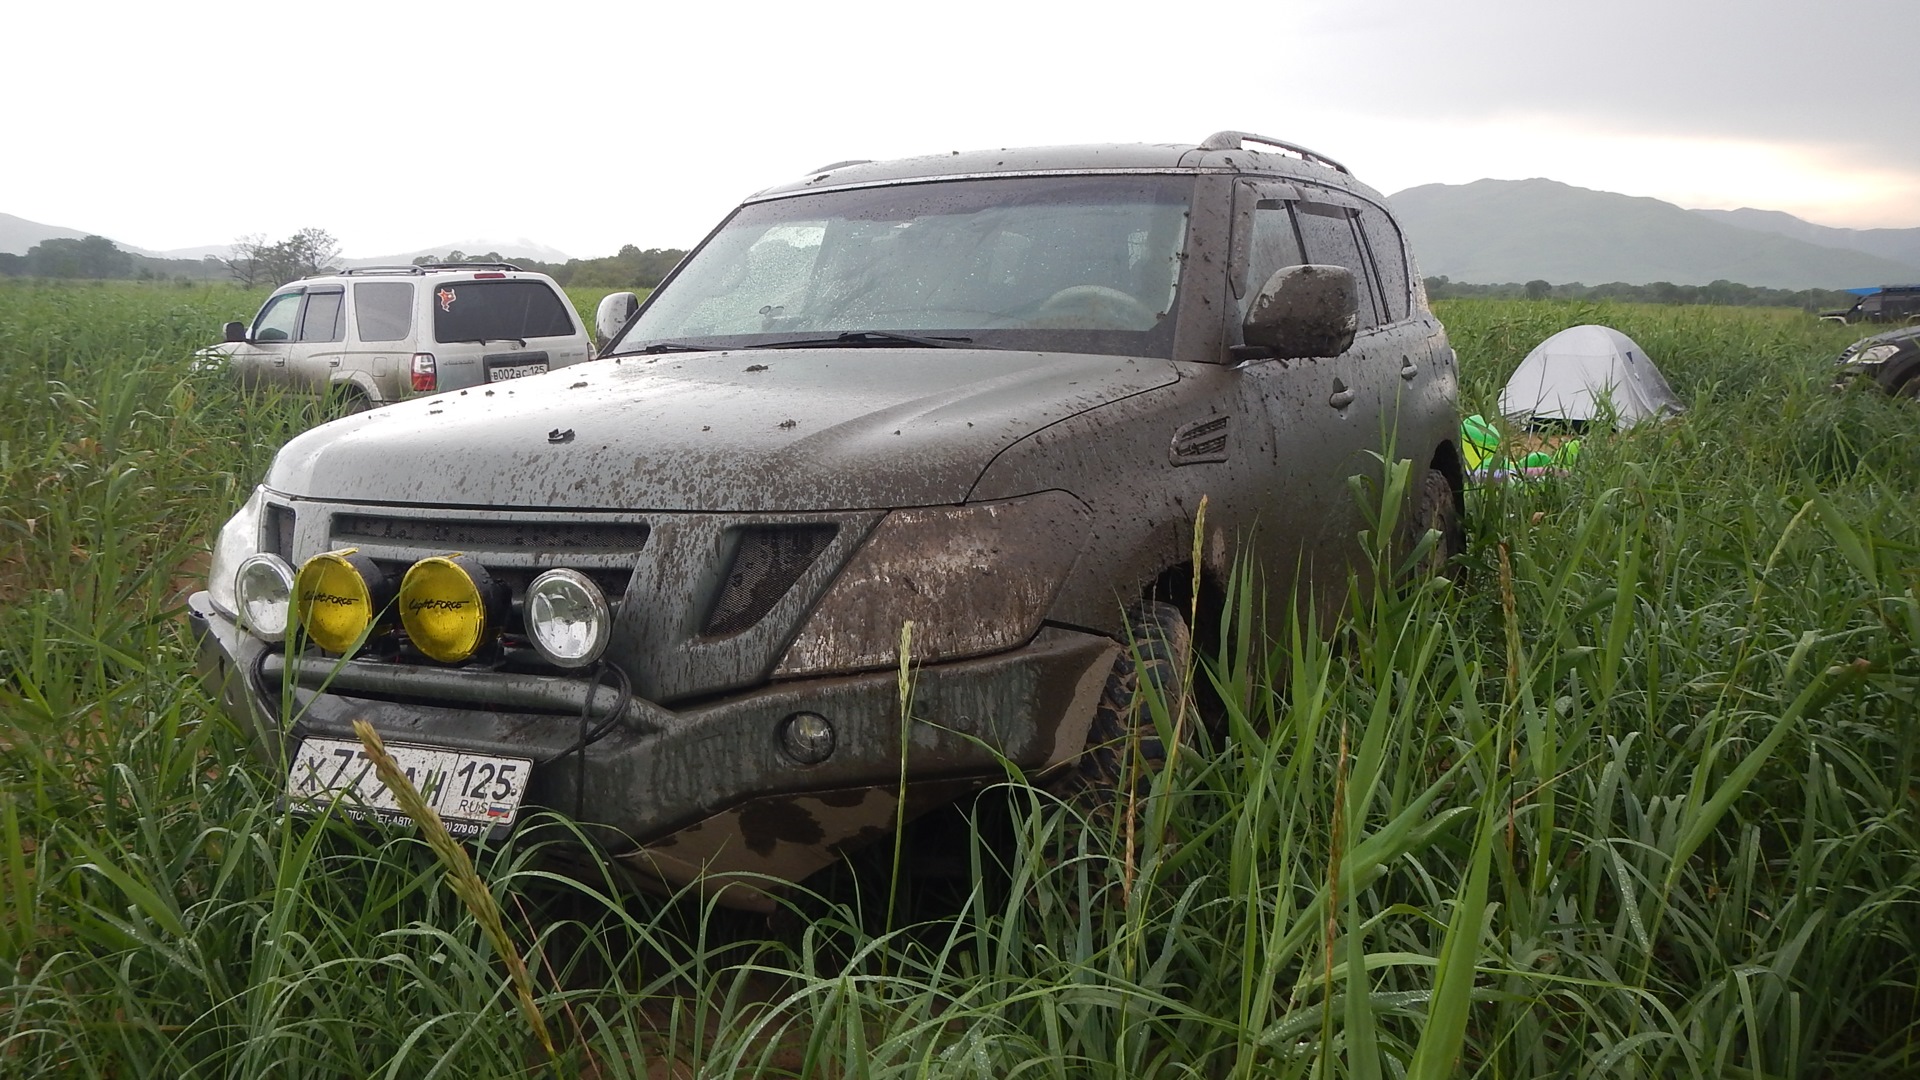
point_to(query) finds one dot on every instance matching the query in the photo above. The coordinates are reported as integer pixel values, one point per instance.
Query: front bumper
(703, 789)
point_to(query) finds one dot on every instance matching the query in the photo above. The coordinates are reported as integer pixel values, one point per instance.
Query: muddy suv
(983, 394)
(376, 334)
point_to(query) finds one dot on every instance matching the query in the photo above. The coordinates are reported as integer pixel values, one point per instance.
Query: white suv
(376, 334)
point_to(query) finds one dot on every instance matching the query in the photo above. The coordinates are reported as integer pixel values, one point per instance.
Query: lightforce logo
(315, 596)
(434, 603)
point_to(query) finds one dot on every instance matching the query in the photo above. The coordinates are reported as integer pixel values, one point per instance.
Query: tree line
(1721, 293)
(98, 258)
(630, 268)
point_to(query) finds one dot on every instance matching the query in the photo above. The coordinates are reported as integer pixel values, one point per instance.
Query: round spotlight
(807, 738)
(567, 618)
(341, 597)
(263, 593)
(450, 606)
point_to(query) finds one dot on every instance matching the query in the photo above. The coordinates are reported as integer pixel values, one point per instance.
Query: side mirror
(615, 309)
(1304, 311)
(234, 332)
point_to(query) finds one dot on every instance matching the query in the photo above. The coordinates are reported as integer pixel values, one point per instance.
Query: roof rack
(841, 165)
(423, 268)
(1237, 140)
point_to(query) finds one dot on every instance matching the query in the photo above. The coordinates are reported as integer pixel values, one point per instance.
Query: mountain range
(18, 235)
(1485, 232)
(1492, 231)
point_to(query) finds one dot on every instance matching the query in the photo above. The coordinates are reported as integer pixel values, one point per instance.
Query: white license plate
(515, 371)
(472, 793)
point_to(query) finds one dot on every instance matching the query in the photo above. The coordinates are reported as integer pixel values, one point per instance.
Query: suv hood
(764, 430)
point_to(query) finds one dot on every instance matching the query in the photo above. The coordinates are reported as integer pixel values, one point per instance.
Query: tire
(1437, 507)
(1124, 749)
(347, 400)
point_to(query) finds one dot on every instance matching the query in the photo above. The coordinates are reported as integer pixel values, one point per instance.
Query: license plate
(472, 793)
(514, 371)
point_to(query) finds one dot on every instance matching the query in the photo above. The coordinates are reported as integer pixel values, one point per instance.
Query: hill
(1519, 230)
(1900, 245)
(18, 235)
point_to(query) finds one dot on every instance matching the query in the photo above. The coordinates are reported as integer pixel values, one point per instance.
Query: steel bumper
(658, 770)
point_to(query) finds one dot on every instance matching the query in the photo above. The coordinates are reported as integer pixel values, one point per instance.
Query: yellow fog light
(342, 596)
(450, 606)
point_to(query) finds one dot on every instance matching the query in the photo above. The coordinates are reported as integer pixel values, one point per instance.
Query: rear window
(383, 310)
(498, 310)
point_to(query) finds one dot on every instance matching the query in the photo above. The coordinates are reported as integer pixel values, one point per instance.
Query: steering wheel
(1097, 307)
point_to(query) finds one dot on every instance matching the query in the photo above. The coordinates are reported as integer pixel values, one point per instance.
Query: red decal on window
(446, 299)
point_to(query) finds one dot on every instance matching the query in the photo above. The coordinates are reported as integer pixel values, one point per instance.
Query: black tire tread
(1123, 735)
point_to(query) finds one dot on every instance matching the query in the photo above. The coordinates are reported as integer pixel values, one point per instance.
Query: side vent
(767, 560)
(1200, 441)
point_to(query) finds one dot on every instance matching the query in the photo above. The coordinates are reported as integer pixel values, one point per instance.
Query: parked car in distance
(1890, 360)
(982, 393)
(374, 335)
(1889, 303)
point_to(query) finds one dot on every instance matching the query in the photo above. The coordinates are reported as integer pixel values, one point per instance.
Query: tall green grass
(1637, 800)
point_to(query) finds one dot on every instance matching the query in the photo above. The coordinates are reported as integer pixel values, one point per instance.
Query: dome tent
(1585, 373)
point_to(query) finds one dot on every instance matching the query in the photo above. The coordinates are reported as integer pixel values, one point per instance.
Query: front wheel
(1124, 749)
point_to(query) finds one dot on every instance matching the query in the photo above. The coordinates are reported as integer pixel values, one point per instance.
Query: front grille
(513, 551)
(444, 535)
(767, 560)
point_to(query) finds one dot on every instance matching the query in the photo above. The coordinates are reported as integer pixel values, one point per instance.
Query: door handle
(1408, 369)
(1341, 396)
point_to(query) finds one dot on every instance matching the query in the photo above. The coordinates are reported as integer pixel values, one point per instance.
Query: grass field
(1638, 800)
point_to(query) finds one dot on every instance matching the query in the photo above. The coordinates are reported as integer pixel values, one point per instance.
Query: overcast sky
(584, 126)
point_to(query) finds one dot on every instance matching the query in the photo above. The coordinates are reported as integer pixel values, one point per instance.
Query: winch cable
(624, 687)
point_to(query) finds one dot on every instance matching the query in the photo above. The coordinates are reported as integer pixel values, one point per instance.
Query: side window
(322, 321)
(1271, 243)
(498, 311)
(1327, 233)
(383, 310)
(1389, 257)
(279, 320)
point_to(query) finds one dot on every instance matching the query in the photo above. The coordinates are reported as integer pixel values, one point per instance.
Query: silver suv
(376, 334)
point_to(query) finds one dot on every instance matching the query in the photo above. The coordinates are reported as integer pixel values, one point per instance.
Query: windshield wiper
(882, 338)
(522, 342)
(664, 347)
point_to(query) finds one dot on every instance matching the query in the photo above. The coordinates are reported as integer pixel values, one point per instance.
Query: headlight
(239, 538)
(263, 589)
(567, 618)
(342, 597)
(972, 579)
(450, 606)
(1879, 354)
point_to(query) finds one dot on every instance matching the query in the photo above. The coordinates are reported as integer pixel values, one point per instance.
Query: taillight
(426, 377)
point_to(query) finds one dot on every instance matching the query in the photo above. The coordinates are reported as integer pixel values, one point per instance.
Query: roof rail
(423, 268)
(841, 165)
(469, 266)
(1237, 140)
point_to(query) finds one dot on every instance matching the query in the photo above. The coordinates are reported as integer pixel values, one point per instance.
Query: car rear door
(317, 351)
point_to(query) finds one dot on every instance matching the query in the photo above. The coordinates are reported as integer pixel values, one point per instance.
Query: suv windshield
(1059, 263)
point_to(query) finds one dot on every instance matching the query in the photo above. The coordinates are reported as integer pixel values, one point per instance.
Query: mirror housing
(234, 332)
(1304, 311)
(614, 311)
